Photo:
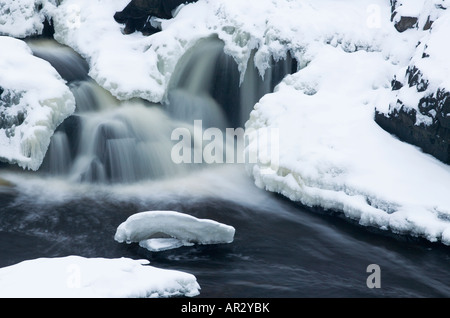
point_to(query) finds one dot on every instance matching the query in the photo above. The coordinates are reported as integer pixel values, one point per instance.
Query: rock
(136, 15)
(419, 112)
(420, 14)
(433, 139)
(425, 124)
(405, 23)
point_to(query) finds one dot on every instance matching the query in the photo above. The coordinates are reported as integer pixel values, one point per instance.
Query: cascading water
(206, 85)
(110, 141)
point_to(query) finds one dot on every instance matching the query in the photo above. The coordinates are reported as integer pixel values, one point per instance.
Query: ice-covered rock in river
(161, 230)
(34, 100)
(79, 277)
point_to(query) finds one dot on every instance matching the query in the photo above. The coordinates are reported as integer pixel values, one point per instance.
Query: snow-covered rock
(333, 155)
(135, 65)
(419, 110)
(22, 18)
(126, 65)
(34, 100)
(78, 277)
(177, 229)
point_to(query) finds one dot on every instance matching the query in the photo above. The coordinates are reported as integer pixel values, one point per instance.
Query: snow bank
(428, 67)
(141, 66)
(22, 18)
(182, 229)
(34, 100)
(333, 155)
(74, 276)
(126, 65)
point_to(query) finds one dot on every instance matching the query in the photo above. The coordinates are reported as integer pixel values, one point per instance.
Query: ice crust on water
(34, 100)
(75, 276)
(178, 229)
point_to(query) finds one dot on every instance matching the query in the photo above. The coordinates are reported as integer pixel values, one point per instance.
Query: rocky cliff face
(419, 112)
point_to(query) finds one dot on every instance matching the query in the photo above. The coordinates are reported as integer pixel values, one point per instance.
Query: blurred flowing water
(112, 159)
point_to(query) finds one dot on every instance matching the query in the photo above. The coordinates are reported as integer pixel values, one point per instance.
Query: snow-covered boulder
(34, 100)
(419, 110)
(161, 230)
(22, 18)
(415, 14)
(79, 277)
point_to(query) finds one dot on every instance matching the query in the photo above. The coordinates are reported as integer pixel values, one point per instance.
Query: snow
(79, 277)
(434, 68)
(25, 17)
(182, 229)
(35, 100)
(138, 66)
(127, 65)
(333, 155)
(423, 10)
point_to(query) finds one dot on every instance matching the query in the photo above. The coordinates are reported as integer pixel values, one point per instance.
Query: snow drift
(74, 276)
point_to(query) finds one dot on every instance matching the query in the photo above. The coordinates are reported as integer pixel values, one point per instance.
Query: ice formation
(34, 100)
(171, 229)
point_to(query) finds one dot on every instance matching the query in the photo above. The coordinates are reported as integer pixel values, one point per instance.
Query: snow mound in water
(144, 227)
(78, 277)
(34, 100)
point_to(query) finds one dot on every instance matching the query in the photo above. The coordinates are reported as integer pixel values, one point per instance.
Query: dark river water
(280, 249)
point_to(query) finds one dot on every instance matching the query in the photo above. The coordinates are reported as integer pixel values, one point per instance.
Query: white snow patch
(186, 229)
(78, 277)
(22, 18)
(35, 100)
(141, 66)
(333, 155)
(126, 65)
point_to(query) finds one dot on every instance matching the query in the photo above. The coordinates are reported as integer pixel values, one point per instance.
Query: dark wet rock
(138, 13)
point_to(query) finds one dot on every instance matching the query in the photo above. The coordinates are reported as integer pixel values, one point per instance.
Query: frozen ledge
(34, 100)
(333, 155)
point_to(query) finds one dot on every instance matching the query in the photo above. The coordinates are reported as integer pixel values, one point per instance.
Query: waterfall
(206, 85)
(112, 141)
